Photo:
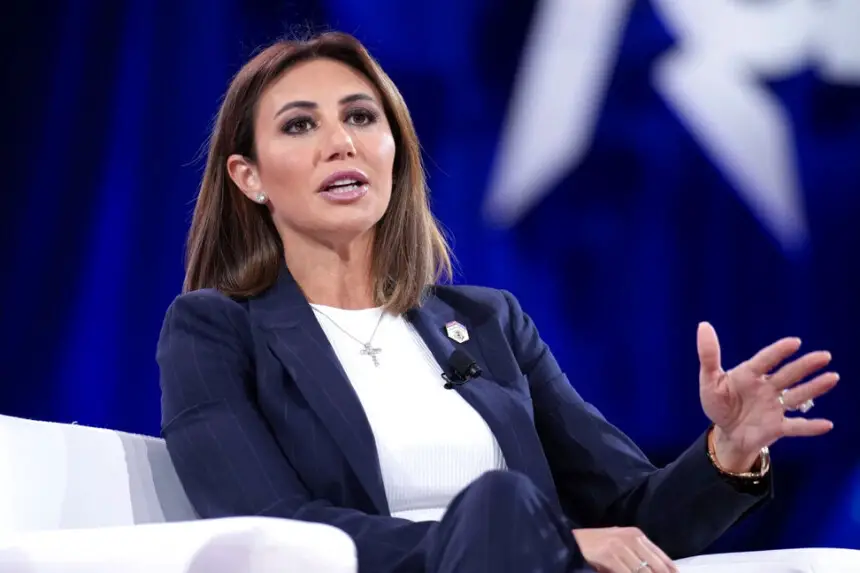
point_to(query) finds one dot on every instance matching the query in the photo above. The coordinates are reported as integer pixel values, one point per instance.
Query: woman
(302, 369)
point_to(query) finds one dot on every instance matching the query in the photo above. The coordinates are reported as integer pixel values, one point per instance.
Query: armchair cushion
(229, 545)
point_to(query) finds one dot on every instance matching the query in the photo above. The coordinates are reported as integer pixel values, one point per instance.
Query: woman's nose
(339, 144)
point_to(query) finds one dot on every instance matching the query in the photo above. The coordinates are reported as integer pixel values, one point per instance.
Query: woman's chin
(347, 227)
(358, 217)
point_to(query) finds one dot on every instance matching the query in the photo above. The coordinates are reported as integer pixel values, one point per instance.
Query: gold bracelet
(764, 464)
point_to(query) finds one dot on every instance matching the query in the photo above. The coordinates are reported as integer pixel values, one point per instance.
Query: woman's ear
(244, 174)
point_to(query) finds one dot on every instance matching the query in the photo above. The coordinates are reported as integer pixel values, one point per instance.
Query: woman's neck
(339, 277)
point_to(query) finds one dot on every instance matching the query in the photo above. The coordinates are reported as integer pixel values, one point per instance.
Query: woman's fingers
(801, 427)
(796, 370)
(657, 555)
(633, 562)
(615, 565)
(637, 555)
(768, 357)
(622, 550)
(809, 390)
(636, 550)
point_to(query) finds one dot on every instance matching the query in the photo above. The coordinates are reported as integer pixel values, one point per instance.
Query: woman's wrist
(729, 457)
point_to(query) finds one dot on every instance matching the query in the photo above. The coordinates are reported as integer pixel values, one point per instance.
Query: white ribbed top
(431, 442)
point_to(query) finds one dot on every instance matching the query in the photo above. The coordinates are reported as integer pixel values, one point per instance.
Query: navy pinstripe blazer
(260, 419)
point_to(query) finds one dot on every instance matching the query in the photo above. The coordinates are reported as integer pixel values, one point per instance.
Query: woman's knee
(504, 510)
(502, 486)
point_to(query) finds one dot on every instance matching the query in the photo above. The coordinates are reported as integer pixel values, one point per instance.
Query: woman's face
(325, 153)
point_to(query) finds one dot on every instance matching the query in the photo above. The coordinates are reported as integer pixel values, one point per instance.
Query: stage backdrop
(627, 169)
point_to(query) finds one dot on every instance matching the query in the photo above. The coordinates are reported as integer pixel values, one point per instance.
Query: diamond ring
(803, 408)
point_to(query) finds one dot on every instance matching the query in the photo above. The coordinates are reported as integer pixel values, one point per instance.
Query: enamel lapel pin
(456, 331)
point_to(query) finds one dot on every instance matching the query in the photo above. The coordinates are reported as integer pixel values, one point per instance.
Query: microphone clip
(463, 369)
(453, 379)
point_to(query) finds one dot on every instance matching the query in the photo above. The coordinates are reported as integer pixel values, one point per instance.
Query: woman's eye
(299, 125)
(361, 117)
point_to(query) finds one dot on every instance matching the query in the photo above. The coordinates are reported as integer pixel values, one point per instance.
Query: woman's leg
(502, 523)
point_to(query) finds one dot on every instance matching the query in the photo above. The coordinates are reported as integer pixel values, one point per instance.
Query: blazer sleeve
(604, 478)
(225, 455)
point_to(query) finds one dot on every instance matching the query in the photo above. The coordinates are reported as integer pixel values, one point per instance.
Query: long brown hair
(233, 245)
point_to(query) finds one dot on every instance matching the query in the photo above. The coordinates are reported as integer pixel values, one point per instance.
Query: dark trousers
(502, 523)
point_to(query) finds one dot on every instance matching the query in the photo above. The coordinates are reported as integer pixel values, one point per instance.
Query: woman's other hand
(622, 550)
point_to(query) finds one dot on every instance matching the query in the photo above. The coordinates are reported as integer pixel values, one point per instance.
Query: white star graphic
(712, 80)
(556, 101)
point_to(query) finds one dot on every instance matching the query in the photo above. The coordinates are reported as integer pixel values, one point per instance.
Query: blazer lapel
(297, 339)
(495, 405)
(507, 417)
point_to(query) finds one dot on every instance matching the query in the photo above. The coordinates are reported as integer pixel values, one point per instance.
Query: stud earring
(261, 198)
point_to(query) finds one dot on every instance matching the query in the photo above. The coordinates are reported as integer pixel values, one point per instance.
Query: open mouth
(344, 182)
(344, 186)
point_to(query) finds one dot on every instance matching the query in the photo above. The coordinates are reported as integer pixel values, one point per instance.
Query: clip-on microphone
(463, 369)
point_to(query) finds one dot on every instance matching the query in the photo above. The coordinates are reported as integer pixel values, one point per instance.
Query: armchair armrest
(812, 560)
(228, 545)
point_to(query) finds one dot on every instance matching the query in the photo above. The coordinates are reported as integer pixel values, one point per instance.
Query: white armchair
(75, 499)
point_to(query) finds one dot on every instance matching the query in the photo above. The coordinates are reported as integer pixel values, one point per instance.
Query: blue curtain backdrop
(106, 107)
